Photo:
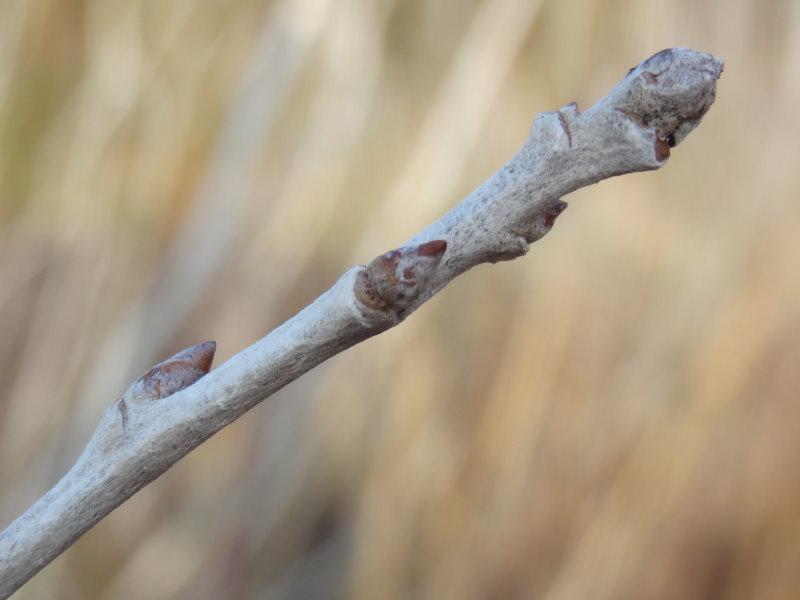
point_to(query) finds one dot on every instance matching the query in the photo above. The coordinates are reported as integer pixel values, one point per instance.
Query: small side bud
(553, 210)
(536, 228)
(174, 374)
(395, 279)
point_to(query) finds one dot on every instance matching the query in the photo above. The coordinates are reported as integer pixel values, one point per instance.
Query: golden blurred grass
(615, 416)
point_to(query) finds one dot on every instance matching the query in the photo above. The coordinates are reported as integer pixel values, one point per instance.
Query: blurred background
(614, 416)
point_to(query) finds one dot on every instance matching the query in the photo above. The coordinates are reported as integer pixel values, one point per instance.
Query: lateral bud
(394, 280)
(174, 374)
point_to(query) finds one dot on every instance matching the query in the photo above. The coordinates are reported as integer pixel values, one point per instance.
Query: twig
(144, 433)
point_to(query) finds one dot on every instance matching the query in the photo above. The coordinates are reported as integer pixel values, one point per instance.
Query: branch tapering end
(670, 92)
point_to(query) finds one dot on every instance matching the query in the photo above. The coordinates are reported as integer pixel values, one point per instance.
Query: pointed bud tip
(555, 209)
(204, 355)
(200, 355)
(433, 248)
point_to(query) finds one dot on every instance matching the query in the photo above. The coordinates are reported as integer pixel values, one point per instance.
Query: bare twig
(157, 421)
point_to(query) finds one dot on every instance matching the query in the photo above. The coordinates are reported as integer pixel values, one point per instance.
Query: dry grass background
(614, 416)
